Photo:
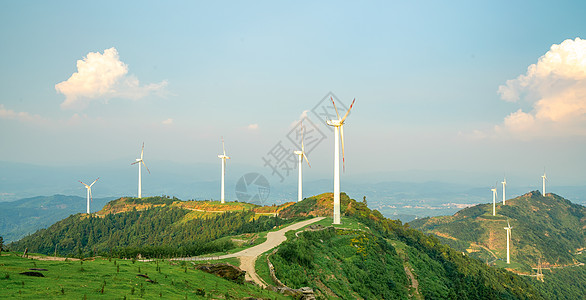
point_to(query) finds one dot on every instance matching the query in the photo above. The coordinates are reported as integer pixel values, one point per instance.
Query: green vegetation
(154, 232)
(341, 263)
(117, 279)
(548, 228)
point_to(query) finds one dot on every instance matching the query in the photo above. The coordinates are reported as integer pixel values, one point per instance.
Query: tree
(1, 244)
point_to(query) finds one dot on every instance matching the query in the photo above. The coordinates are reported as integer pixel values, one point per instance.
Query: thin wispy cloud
(20, 116)
(252, 126)
(555, 87)
(167, 122)
(102, 76)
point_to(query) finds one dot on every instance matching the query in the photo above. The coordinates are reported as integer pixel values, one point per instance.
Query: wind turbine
(223, 157)
(139, 161)
(504, 183)
(89, 193)
(508, 229)
(544, 178)
(338, 133)
(301, 155)
(494, 193)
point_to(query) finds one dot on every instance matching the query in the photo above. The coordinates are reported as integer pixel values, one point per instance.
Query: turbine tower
(504, 183)
(494, 193)
(508, 229)
(301, 155)
(223, 157)
(338, 133)
(89, 193)
(139, 161)
(544, 178)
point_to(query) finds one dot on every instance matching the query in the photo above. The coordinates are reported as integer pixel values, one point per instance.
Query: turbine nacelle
(223, 156)
(335, 123)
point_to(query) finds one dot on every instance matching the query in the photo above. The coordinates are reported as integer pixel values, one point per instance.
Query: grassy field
(102, 278)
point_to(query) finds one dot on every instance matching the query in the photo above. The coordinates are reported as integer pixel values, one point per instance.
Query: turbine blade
(142, 151)
(335, 107)
(94, 181)
(302, 131)
(343, 155)
(83, 183)
(136, 162)
(145, 166)
(305, 156)
(346, 115)
(223, 147)
(91, 198)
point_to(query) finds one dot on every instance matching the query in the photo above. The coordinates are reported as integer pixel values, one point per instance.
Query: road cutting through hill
(248, 256)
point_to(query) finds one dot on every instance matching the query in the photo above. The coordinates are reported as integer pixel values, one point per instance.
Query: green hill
(372, 262)
(547, 228)
(151, 227)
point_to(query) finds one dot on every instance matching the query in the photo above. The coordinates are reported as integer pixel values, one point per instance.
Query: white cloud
(556, 89)
(102, 76)
(252, 126)
(167, 122)
(20, 116)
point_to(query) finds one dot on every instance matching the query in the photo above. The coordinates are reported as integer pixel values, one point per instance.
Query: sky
(443, 89)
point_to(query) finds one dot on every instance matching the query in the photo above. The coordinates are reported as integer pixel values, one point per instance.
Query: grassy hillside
(117, 279)
(371, 262)
(549, 228)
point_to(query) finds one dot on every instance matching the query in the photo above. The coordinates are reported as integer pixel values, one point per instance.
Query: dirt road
(248, 256)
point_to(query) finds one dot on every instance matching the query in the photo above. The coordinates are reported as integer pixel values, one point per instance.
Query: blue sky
(425, 75)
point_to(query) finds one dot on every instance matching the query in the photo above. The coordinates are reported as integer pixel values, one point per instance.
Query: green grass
(118, 279)
(262, 268)
(347, 223)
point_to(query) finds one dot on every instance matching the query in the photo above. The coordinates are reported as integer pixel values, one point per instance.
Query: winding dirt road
(248, 256)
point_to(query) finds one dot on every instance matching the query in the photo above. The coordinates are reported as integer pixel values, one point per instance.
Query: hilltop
(547, 228)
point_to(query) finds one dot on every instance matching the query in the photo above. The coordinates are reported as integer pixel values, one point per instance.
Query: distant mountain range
(25, 216)
(404, 200)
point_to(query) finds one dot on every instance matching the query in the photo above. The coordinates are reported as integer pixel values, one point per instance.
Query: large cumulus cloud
(102, 76)
(555, 88)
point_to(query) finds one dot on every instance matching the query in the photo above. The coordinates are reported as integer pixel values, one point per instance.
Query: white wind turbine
(508, 229)
(89, 193)
(494, 193)
(223, 157)
(543, 178)
(301, 155)
(504, 183)
(139, 161)
(338, 133)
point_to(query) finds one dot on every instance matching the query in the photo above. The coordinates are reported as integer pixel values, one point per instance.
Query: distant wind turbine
(89, 193)
(139, 161)
(494, 193)
(223, 157)
(544, 178)
(338, 133)
(301, 155)
(508, 229)
(504, 183)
